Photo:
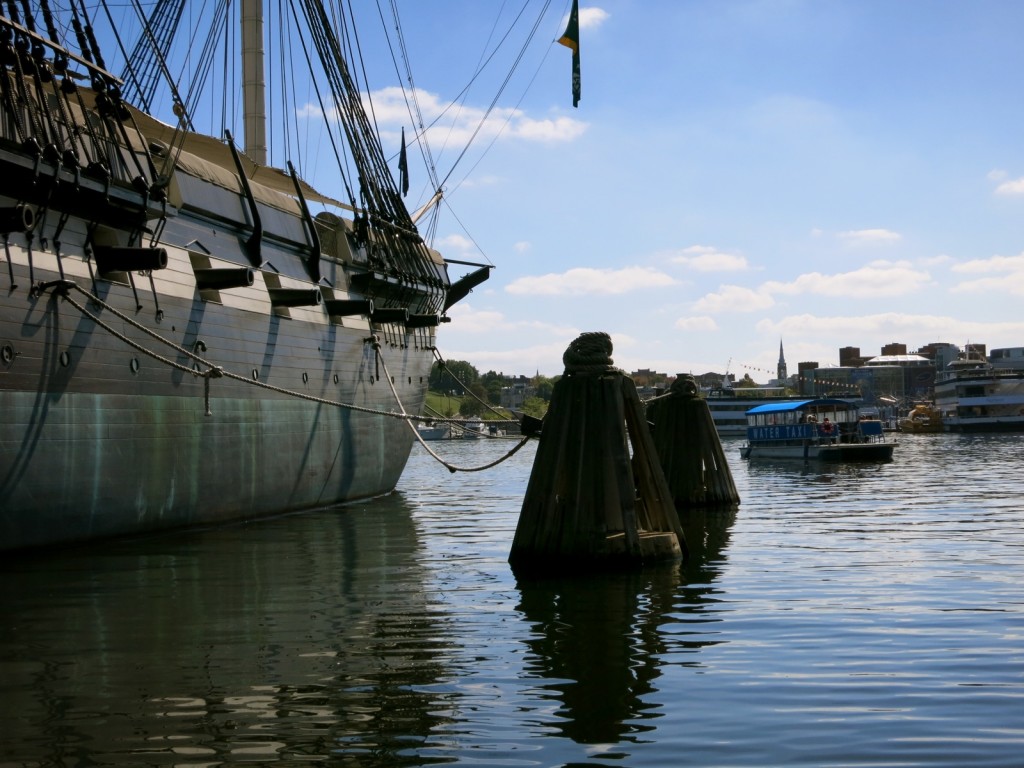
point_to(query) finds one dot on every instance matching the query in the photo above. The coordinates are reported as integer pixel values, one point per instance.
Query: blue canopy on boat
(797, 405)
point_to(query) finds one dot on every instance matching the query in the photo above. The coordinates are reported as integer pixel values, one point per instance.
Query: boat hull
(443, 432)
(980, 426)
(187, 335)
(102, 439)
(828, 453)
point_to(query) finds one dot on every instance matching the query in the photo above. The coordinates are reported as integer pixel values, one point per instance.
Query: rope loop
(589, 353)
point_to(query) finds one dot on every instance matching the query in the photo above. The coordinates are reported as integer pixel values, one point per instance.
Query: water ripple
(843, 616)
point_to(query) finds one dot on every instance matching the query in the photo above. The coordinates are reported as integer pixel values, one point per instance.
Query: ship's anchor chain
(63, 288)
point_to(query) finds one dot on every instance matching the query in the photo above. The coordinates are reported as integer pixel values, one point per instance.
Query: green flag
(571, 39)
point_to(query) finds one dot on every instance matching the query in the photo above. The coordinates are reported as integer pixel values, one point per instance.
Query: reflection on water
(299, 636)
(594, 643)
(844, 614)
(598, 640)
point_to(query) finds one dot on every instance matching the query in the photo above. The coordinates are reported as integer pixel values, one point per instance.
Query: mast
(253, 85)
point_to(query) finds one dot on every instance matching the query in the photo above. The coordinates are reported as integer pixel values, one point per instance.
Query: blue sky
(824, 173)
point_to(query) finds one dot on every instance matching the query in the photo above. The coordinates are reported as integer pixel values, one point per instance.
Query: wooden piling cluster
(690, 450)
(590, 502)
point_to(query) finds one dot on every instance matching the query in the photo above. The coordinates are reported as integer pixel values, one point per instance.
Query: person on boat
(827, 429)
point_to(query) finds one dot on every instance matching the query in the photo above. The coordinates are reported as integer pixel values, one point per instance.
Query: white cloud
(697, 323)
(877, 279)
(455, 124)
(703, 258)
(1013, 187)
(734, 298)
(545, 358)
(997, 174)
(1012, 284)
(451, 243)
(993, 264)
(522, 246)
(935, 261)
(870, 236)
(592, 18)
(559, 129)
(885, 327)
(583, 281)
(466, 318)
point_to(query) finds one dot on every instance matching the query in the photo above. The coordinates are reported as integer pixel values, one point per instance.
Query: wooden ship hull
(103, 438)
(181, 342)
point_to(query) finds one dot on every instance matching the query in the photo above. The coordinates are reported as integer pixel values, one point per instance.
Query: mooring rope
(450, 467)
(444, 364)
(215, 372)
(589, 353)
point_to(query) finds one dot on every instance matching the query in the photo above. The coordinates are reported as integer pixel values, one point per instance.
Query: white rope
(449, 466)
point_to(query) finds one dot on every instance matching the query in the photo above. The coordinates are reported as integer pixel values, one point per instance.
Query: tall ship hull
(182, 342)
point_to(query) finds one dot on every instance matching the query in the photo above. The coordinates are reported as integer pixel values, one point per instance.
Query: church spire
(782, 375)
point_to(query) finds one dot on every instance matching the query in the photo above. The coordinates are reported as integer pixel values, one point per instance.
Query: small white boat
(473, 430)
(825, 429)
(434, 431)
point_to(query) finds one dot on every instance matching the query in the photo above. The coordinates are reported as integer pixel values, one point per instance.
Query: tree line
(461, 379)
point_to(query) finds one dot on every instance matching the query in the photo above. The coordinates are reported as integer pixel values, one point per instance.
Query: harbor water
(852, 615)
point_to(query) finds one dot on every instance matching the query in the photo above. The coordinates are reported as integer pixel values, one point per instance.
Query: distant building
(850, 357)
(650, 383)
(805, 377)
(516, 391)
(1007, 357)
(712, 380)
(940, 353)
(916, 377)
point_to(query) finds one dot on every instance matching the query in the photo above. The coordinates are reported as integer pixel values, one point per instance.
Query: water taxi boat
(824, 429)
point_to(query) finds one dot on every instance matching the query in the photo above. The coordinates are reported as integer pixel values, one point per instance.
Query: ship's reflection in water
(295, 637)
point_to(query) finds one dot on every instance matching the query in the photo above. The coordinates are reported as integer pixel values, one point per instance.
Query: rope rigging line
(314, 82)
(450, 467)
(501, 90)
(62, 288)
